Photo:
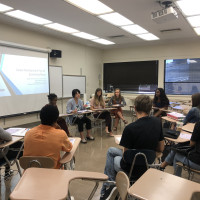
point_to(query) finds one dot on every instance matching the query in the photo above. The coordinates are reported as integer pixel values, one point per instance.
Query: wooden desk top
(181, 139)
(157, 185)
(103, 109)
(78, 113)
(169, 119)
(14, 140)
(52, 184)
(189, 127)
(69, 155)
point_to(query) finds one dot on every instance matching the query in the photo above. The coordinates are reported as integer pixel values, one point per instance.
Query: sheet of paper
(17, 131)
(72, 140)
(119, 139)
(185, 136)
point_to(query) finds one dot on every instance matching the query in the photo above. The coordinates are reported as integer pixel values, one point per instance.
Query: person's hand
(56, 126)
(75, 111)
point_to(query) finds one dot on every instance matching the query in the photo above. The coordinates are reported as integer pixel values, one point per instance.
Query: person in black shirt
(193, 159)
(145, 133)
(160, 101)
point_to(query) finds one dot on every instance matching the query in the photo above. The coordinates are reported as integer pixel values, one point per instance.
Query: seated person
(61, 122)
(193, 159)
(194, 113)
(145, 133)
(6, 137)
(117, 99)
(97, 102)
(160, 101)
(47, 139)
(73, 106)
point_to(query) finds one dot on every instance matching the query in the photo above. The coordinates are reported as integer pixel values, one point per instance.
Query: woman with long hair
(160, 101)
(97, 102)
(194, 113)
(117, 99)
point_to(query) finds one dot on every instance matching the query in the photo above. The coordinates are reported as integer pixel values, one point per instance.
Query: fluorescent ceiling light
(4, 8)
(189, 7)
(148, 36)
(92, 6)
(197, 30)
(134, 29)
(116, 19)
(62, 28)
(85, 35)
(28, 17)
(194, 21)
(103, 41)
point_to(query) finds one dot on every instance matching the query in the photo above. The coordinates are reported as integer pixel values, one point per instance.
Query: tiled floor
(89, 157)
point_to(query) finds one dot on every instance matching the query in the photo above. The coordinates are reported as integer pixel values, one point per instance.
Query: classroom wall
(173, 50)
(75, 58)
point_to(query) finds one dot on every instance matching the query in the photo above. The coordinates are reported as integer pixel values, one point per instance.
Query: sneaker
(84, 141)
(108, 193)
(90, 138)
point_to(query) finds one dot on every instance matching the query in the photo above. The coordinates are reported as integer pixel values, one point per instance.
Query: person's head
(117, 92)
(160, 94)
(143, 104)
(49, 115)
(196, 100)
(98, 99)
(52, 99)
(98, 93)
(76, 93)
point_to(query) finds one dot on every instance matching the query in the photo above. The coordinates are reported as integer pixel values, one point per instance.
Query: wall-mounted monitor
(182, 76)
(132, 77)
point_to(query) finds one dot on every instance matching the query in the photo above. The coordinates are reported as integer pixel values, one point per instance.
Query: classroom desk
(67, 157)
(183, 137)
(189, 127)
(158, 185)
(162, 109)
(166, 118)
(51, 184)
(7, 144)
(78, 113)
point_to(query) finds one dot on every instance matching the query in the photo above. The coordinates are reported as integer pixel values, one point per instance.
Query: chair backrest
(138, 160)
(36, 161)
(123, 183)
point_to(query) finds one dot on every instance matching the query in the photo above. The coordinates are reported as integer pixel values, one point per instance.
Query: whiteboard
(55, 80)
(73, 82)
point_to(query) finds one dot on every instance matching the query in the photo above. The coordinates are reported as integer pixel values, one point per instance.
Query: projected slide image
(3, 89)
(24, 74)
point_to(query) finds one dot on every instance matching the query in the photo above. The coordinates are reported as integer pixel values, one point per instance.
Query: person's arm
(196, 134)
(123, 101)
(92, 104)
(4, 135)
(66, 144)
(189, 116)
(160, 147)
(70, 107)
(110, 102)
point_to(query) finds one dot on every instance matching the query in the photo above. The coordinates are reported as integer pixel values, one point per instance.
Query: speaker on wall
(56, 54)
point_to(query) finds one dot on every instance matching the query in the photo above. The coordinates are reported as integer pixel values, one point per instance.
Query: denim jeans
(114, 156)
(174, 157)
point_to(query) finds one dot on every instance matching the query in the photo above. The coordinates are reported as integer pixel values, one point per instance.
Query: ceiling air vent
(170, 30)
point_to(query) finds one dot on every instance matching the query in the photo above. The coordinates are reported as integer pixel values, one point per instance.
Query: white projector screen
(24, 80)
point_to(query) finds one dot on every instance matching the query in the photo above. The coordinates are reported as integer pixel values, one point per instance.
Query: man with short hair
(145, 133)
(47, 139)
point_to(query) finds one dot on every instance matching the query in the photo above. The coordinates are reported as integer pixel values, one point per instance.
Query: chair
(190, 171)
(138, 161)
(36, 161)
(123, 184)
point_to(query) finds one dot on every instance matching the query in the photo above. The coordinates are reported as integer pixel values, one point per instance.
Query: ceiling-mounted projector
(164, 15)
